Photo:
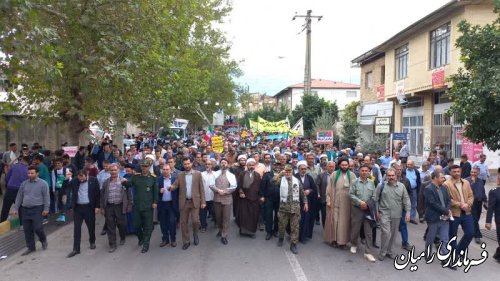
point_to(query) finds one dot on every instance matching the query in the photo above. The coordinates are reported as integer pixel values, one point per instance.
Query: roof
(320, 84)
(379, 50)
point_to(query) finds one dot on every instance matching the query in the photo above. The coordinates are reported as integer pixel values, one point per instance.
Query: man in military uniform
(291, 192)
(145, 200)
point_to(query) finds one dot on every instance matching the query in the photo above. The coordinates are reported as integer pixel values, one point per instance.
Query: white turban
(302, 163)
(150, 156)
(251, 160)
(323, 155)
(242, 157)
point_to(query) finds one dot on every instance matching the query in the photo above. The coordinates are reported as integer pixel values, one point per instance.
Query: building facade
(339, 92)
(409, 71)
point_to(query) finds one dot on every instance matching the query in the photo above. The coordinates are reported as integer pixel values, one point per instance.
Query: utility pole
(307, 69)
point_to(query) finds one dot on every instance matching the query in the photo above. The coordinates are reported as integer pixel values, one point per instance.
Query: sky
(271, 47)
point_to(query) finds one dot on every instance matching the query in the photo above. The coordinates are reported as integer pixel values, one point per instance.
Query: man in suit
(168, 204)
(86, 201)
(191, 199)
(323, 180)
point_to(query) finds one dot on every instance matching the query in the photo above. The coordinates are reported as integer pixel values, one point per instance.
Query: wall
(370, 94)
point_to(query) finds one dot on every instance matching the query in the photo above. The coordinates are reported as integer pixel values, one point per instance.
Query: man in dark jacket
(437, 212)
(480, 200)
(323, 180)
(465, 166)
(85, 201)
(271, 192)
(311, 192)
(494, 209)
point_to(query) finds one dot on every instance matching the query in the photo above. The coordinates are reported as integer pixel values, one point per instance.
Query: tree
(475, 87)
(312, 106)
(350, 126)
(323, 122)
(132, 60)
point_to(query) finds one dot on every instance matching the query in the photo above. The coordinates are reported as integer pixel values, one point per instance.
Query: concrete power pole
(307, 69)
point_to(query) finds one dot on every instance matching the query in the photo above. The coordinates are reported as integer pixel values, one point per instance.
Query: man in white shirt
(208, 180)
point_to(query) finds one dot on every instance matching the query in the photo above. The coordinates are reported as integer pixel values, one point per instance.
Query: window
(414, 102)
(442, 131)
(441, 97)
(413, 125)
(402, 62)
(369, 80)
(382, 75)
(440, 46)
(351, 94)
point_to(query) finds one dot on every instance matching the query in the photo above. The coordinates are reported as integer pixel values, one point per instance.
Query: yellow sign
(262, 125)
(217, 144)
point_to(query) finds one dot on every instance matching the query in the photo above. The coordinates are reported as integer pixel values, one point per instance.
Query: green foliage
(350, 126)
(312, 106)
(377, 144)
(323, 122)
(475, 87)
(99, 60)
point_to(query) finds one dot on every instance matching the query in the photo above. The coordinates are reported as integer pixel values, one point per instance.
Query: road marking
(297, 269)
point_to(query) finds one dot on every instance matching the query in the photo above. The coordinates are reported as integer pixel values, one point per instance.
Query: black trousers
(115, 218)
(83, 213)
(33, 223)
(477, 208)
(209, 209)
(271, 209)
(322, 211)
(8, 200)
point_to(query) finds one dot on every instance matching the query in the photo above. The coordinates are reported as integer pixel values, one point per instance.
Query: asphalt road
(242, 259)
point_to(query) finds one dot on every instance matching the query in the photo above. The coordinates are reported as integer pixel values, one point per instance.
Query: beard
(344, 169)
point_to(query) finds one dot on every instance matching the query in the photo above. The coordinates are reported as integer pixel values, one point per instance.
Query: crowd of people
(276, 186)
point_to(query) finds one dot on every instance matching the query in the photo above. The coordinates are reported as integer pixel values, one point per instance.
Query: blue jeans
(467, 223)
(413, 200)
(403, 228)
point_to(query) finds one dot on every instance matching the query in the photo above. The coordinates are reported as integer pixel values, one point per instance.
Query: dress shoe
(145, 248)
(261, 227)
(203, 230)
(103, 232)
(406, 247)
(478, 240)
(163, 244)
(268, 236)
(253, 236)
(44, 245)
(92, 246)
(112, 249)
(27, 252)
(140, 242)
(317, 222)
(196, 241)
(72, 254)
(275, 234)
(219, 234)
(280, 242)
(293, 248)
(122, 242)
(173, 244)
(375, 246)
(381, 258)
(391, 256)
(224, 240)
(186, 245)
(421, 220)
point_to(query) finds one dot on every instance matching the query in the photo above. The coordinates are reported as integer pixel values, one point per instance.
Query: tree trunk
(77, 131)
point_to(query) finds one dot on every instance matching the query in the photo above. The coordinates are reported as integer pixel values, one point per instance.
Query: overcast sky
(266, 40)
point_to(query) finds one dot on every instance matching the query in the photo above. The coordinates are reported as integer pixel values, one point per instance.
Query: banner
(324, 137)
(217, 144)
(70, 150)
(262, 125)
